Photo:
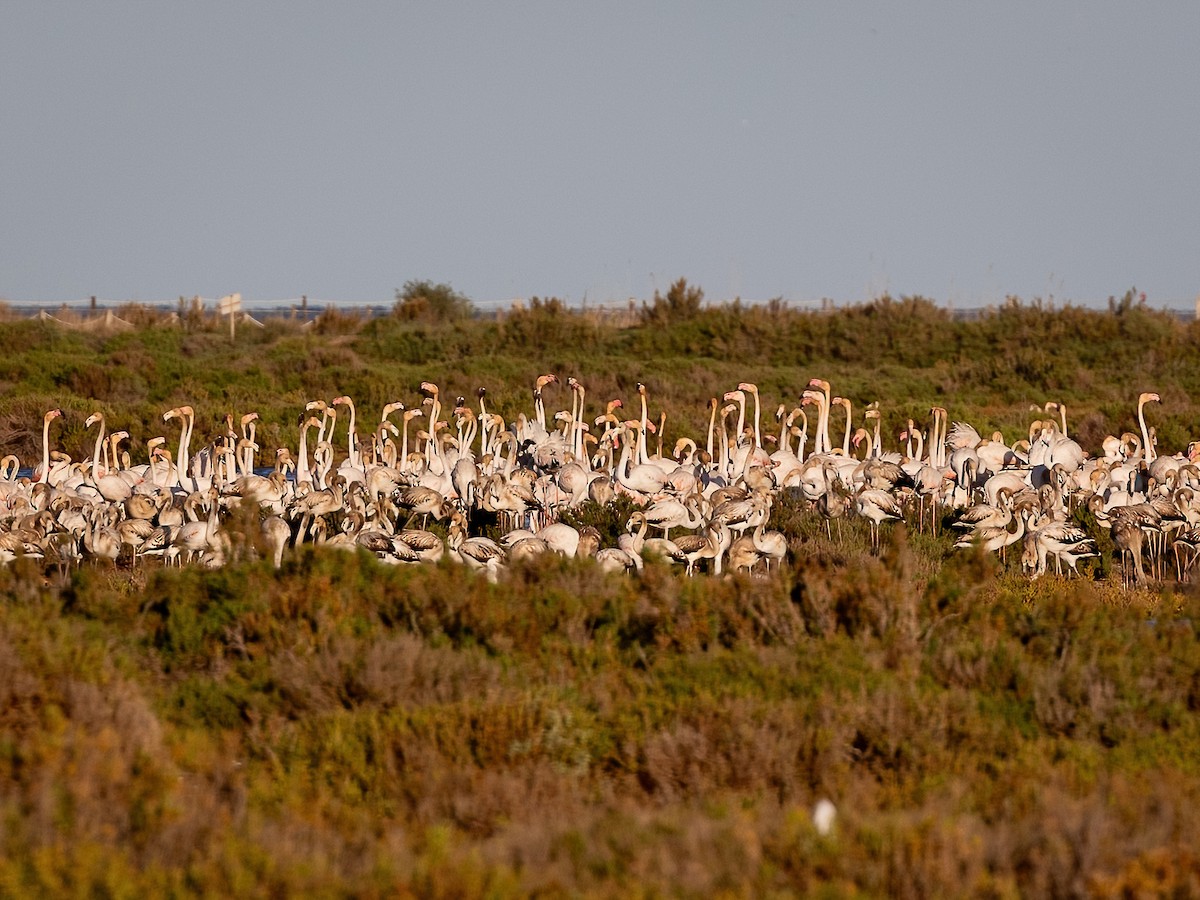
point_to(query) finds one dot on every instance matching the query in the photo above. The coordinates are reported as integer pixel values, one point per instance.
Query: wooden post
(230, 305)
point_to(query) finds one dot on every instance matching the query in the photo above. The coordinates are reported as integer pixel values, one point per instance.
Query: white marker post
(230, 305)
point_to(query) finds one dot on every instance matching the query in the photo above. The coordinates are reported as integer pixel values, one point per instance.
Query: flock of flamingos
(703, 506)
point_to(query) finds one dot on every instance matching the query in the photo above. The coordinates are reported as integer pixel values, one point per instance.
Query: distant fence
(306, 309)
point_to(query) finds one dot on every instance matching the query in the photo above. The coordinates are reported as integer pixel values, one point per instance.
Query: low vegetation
(343, 727)
(908, 354)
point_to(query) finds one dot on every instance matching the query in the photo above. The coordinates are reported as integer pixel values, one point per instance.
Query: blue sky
(964, 152)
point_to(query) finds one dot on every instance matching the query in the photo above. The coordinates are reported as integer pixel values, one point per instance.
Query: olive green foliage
(345, 727)
(680, 304)
(548, 330)
(609, 520)
(908, 354)
(425, 301)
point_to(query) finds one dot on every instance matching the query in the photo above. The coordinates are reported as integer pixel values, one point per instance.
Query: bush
(424, 301)
(680, 304)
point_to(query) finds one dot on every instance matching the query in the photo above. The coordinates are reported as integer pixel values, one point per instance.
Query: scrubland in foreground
(346, 727)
